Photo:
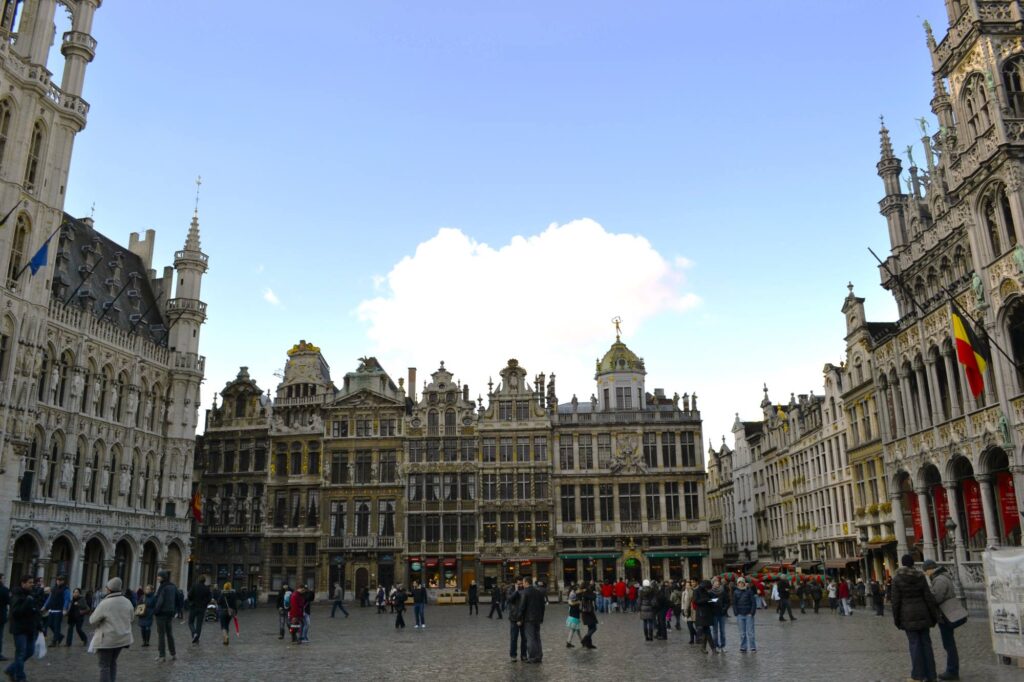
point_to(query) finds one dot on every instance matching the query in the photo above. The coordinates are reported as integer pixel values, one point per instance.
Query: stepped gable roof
(77, 248)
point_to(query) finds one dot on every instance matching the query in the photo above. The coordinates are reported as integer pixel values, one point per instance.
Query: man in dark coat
(915, 611)
(198, 598)
(515, 632)
(164, 608)
(5, 601)
(496, 598)
(877, 598)
(785, 604)
(530, 615)
(706, 609)
(25, 623)
(588, 614)
(474, 598)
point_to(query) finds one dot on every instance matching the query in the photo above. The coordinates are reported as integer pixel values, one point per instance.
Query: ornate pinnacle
(929, 36)
(885, 142)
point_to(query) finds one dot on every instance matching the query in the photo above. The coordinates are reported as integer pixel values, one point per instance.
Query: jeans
(195, 623)
(746, 624)
(845, 607)
(600, 604)
(417, 610)
(338, 605)
(718, 630)
(282, 622)
(108, 664)
(23, 647)
(165, 633)
(648, 628)
(305, 627)
(922, 659)
(693, 631)
(706, 638)
(534, 652)
(74, 625)
(516, 633)
(147, 632)
(949, 644)
(53, 621)
(495, 606)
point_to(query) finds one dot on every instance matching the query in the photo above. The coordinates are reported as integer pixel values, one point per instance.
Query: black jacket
(166, 598)
(474, 594)
(419, 595)
(705, 608)
(198, 597)
(744, 601)
(531, 605)
(24, 613)
(913, 604)
(5, 601)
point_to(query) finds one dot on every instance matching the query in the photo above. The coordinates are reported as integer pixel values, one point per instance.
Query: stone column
(75, 577)
(899, 524)
(954, 513)
(922, 396)
(954, 399)
(938, 415)
(105, 572)
(906, 398)
(991, 525)
(1018, 485)
(897, 404)
(885, 428)
(927, 539)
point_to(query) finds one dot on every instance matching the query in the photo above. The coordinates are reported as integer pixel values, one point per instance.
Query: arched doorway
(149, 561)
(937, 509)
(122, 563)
(909, 508)
(174, 564)
(362, 579)
(1007, 513)
(971, 519)
(92, 576)
(61, 555)
(24, 559)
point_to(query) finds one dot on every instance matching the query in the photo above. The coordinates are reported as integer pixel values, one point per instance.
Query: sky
(469, 182)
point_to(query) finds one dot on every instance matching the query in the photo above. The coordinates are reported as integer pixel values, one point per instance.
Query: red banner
(915, 514)
(972, 507)
(1007, 501)
(941, 509)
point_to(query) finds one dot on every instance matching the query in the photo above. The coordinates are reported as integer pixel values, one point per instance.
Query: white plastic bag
(92, 642)
(40, 651)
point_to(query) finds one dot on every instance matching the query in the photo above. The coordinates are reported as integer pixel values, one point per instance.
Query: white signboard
(1004, 584)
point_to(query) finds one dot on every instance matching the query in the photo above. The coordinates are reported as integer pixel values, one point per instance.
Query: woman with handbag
(113, 620)
(144, 612)
(227, 609)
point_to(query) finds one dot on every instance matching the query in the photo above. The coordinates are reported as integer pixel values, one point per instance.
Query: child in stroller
(211, 612)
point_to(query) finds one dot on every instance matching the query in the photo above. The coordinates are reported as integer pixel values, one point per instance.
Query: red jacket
(632, 592)
(844, 590)
(606, 590)
(620, 589)
(297, 607)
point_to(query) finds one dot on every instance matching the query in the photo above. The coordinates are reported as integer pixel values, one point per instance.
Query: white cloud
(270, 297)
(545, 299)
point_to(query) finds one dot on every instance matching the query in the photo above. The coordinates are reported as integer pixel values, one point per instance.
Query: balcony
(362, 542)
(629, 417)
(186, 305)
(633, 527)
(233, 529)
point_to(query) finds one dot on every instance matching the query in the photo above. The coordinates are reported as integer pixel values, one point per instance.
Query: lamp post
(864, 552)
(951, 534)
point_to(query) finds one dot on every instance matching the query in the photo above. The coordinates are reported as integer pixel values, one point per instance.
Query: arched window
(1007, 216)
(975, 99)
(18, 245)
(43, 375)
(240, 407)
(1013, 80)
(35, 156)
(991, 223)
(1015, 330)
(5, 127)
(66, 367)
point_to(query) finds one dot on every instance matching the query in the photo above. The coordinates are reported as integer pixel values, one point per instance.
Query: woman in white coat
(113, 622)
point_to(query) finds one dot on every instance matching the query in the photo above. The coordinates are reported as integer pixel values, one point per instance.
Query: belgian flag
(971, 350)
(197, 507)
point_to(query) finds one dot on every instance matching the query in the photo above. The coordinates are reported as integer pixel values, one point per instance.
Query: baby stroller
(211, 613)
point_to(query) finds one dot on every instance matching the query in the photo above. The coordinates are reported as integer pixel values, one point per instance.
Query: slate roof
(77, 247)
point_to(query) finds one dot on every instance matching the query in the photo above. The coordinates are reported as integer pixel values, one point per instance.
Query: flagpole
(971, 319)
(131, 278)
(84, 279)
(45, 241)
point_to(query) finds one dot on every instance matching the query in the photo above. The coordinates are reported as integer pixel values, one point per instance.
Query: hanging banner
(972, 507)
(1005, 591)
(941, 509)
(915, 514)
(1007, 495)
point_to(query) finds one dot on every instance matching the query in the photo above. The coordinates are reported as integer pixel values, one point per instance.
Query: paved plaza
(823, 647)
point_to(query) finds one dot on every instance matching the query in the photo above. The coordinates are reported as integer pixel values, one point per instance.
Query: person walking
(530, 615)
(647, 608)
(56, 607)
(25, 625)
(307, 614)
(227, 610)
(785, 605)
(284, 598)
(296, 615)
(164, 609)
(113, 622)
(744, 605)
(801, 593)
(607, 592)
(721, 608)
(952, 615)
(572, 621)
(689, 613)
(381, 600)
(843, 593)
(419, 604)
(833, 601)
(77, 611)
(877, 598)
(339, 600)
(198, 600)
(398, 605)
(5, 602)
(816, 594)
(496, 599)
(704, 604)
(513, 597)
(588, 614)
(146, 619)
(915, 611)
(473, 598)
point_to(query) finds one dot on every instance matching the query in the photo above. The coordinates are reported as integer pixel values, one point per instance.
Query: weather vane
(199, 181)
(617, 321)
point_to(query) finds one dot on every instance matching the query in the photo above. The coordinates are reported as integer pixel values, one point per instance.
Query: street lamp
(951, 534)
(864, 552)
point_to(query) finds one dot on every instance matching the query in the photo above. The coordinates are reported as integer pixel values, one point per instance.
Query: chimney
(412, 384)
(465, 392)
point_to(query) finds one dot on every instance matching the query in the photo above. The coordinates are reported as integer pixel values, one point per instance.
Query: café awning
(840, 562)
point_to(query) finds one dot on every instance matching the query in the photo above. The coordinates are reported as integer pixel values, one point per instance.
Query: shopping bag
(40, 650)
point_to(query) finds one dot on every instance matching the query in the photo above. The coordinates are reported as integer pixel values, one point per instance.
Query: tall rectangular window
(525, 527)
(432, 528)
(652, 501)
(389, 426)
(587, 502)
(364, 459)
(505, 450)
(508, 526)
(467, 482)
(450, 527)
(296, 463)
(607, 493)
(568, 497)
(668, 449)
(566, 458)
(450, 488)
(540, 485)
(490, 449)
(505, 410)
(542, 527)
(467, 449)
(522, 449)
(490, 485)
(523, 486)
(415, 487)
(688, 449)
(468, 523)
(506, 487)
(433, 487)
(364, 427)
(672, 501)
(415, 524)
(339, 428)
(416, 448)
(522, 410)
(586, 446)
(433, 451)
(386, 518)
(629, 501)
(490, 527)
(691, 500)
(540, 448)
(388, 464)
(623, 398)
(604, 450)
(650, 450)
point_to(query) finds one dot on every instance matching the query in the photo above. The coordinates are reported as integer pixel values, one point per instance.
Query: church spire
(192, 240)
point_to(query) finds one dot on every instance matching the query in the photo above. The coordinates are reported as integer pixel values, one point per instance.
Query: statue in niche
(105, 479)
(513, 381)
(124, 481)
(593, 403)
(67, 473)
(978, 287)
(1018, 258)
(133, 404)
(111, 402)
(87, 477)
(54, 384)
(77, 384)
(97, 389)
(22, 466)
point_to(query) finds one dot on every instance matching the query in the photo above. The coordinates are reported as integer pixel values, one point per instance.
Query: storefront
(580, 566)
(505, 571)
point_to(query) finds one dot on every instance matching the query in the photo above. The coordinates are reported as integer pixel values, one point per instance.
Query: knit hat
(114, 584)
(928, 565)
(907, 560)
(647, 583)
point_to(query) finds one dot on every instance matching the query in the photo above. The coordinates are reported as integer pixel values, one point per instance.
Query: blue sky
(722, 154)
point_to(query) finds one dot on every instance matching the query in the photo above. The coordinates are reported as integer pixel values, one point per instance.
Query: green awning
(676, 555)
(594, 555)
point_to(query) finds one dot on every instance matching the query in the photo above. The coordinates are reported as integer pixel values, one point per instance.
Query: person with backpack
(164, 609)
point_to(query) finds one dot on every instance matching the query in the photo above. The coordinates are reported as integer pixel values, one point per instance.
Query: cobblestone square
(366, 646)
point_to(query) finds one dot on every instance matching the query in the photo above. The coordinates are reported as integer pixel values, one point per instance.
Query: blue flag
(39, 260)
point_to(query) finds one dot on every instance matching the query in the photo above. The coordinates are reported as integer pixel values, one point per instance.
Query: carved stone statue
(575, 403)
(22, 466)
(1018, 259)
(87, 477)
(54, 384)
(133, 404)
(1004, 430)
(140, 485)
(593, 402)
(124, 481)
(105, 479)
(675, 399)
(147, 404)
(111, 402)
(44, 469)
(97, 388)
(978, 287)
(513, 381)
(77, 384)
(67, 473)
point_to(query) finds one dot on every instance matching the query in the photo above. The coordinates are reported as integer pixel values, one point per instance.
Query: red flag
(915, 515)
(974, 511)
(197, 506)
(1007, 501)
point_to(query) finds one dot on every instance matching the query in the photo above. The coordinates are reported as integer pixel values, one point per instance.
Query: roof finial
(199, 181)
(617, 321)
(849, 285)
(886, 143)
(92, 211)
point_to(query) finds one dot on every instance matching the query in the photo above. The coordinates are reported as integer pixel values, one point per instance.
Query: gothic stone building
(99, 363)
